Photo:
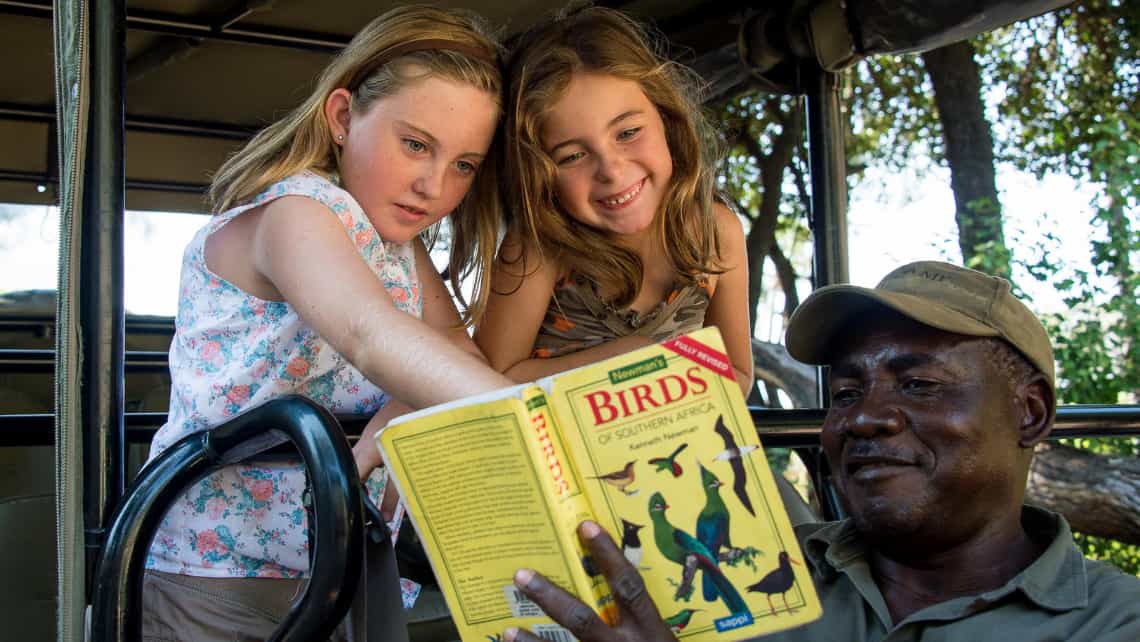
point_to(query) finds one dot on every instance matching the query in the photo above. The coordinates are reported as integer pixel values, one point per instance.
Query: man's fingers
(564, 608)
(625, 582)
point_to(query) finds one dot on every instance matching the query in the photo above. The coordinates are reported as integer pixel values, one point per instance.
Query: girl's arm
(302, 249)
(728, 308)
(520, 294)
(439, 308)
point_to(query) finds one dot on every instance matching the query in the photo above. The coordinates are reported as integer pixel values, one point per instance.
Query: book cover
(656, 445)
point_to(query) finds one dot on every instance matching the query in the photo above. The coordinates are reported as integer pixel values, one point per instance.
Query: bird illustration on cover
(678, 621)
(631, 542)
(778, 581)
(670, 463)
(621, 479)
(712, 523)
(733, 454)
(713, 531)
(679, 547)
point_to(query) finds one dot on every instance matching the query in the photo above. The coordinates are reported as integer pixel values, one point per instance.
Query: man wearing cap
(941, 383)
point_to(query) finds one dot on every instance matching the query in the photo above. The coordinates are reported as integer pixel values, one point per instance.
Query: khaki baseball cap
(933, 293)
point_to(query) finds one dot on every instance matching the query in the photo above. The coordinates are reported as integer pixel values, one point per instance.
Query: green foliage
(751, 122)
(1063, 97)
(1068, 78)
(1123, 556)
(891, 113)
(1071, 98)
(1071, 85)
(778, 459)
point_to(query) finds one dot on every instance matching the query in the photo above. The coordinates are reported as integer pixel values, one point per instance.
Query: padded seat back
(28, 566)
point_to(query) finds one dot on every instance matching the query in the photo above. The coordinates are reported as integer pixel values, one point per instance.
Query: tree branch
(774, 366)
(787, 273)
(1098, 495)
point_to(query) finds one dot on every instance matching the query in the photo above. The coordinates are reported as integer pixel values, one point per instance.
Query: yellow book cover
(656, 445)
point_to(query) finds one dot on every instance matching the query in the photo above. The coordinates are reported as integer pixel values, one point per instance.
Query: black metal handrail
(136, 323)
(791, 428)
(338, 525)
(39, 361)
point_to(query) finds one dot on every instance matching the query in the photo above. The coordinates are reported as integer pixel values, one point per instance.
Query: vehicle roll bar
(338, 524)
(779, 428)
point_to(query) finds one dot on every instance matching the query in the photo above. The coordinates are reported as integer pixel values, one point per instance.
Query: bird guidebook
(656, 445)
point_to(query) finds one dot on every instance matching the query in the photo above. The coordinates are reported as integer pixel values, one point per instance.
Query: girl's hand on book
(365, 453)
(638, 618)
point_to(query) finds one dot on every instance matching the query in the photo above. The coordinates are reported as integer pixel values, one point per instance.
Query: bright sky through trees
(893, 220)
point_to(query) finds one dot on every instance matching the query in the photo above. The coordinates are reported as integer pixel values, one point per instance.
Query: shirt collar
(1055, 581)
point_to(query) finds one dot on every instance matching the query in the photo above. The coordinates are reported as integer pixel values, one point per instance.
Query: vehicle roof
(202, 75)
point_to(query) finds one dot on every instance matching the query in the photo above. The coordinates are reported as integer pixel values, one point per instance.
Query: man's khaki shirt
(1060, 597)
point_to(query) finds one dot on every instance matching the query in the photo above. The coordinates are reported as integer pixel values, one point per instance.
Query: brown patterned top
(578, 318)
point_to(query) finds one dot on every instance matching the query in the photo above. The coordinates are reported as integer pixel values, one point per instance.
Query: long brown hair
(373, 66)
(600, 40)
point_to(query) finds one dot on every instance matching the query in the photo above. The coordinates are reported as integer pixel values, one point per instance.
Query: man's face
(922, 435)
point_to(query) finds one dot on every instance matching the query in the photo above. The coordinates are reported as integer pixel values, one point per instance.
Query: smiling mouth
(624, 198)
(869, 467)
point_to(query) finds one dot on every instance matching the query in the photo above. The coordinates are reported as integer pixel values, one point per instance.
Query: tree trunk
(1098, 495)
(775, 367)
(969, 152)
(762, 236)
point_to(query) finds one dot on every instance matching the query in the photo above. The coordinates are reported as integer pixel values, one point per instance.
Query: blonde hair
(455, 46)
(600, 40)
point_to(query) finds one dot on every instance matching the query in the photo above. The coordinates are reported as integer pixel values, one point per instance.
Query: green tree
(1071, 103)
(1069, 81)
(1068, 84)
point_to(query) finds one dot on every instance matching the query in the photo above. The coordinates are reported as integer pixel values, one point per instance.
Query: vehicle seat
(799, 511)
(28, 566)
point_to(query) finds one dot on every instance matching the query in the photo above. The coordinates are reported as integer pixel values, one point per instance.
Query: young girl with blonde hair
(615, 238)
(312, 279)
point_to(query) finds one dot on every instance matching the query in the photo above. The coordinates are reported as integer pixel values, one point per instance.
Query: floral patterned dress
(232, 351)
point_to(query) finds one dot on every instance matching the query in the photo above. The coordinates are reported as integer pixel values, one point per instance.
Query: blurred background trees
(1057, 94)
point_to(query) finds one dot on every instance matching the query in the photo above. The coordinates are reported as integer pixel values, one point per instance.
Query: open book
(656, 445)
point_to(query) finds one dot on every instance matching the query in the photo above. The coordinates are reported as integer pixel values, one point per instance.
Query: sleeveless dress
(578, 317)
(232, 351)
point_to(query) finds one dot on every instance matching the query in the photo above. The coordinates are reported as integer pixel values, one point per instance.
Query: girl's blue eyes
(419, 147)
(565, 160)
(623, 136)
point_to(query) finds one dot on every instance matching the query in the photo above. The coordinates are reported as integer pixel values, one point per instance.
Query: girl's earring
(340, 138)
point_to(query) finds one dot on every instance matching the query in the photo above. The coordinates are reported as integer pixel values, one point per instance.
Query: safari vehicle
(148, 99)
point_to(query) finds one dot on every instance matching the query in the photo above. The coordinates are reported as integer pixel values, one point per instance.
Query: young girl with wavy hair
(313, 279)
(615, 238)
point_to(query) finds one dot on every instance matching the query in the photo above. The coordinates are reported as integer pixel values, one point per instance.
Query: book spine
(571, 504)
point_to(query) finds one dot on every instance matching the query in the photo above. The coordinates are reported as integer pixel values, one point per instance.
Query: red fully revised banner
(702, 354)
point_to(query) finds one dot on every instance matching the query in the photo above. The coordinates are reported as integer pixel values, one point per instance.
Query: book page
(490, 395)
(477, 501)
(673, 468)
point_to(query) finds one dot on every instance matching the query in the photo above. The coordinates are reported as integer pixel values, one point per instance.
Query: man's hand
(638, 618)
